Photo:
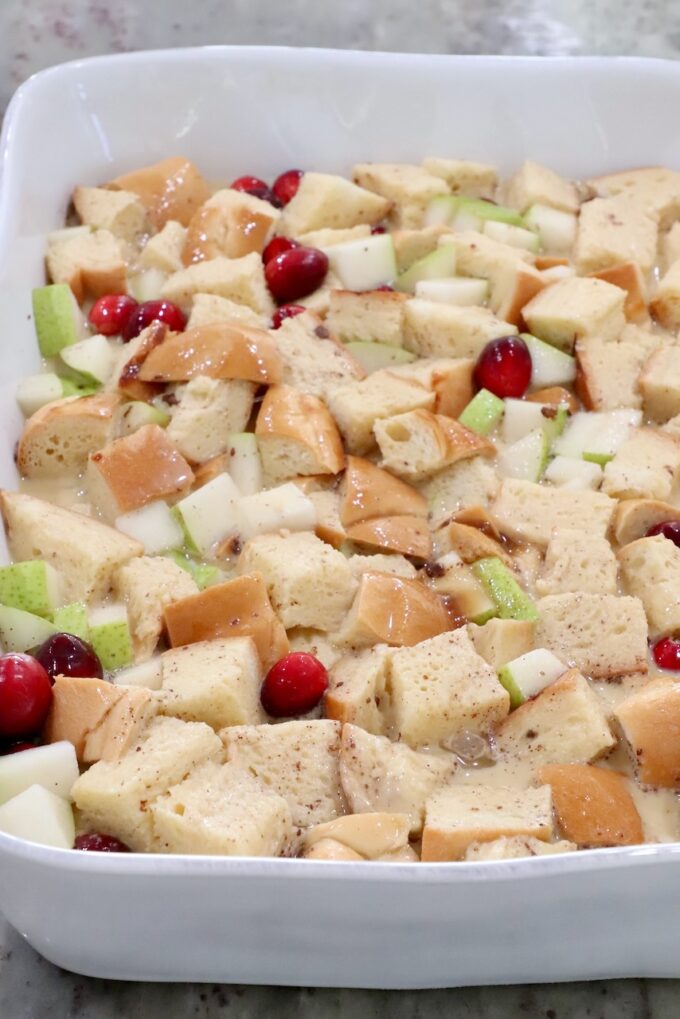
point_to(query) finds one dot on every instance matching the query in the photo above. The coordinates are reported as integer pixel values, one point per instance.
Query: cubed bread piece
(397, 565)
(469, 543)
(231, 223)
(408, 188)
(669, 246)
(464, 177)
(467, 483)
(85, 552)
(645, 466)
(565, 723)
(449, 378)
(235, 608)
(650, 569)
(213, 681)
(221, 810)
(223, 350)
(327, 237)
(434, 329)
(313, 361)
(609, 373)
(147, 584)
(121, 212)
(207, 309)
(367, 492)
(164, 250)
(593, 806)
(328, 526)
(602, 635)
(650, 721)
(92, 264)
(515, 847)
(239, 279)
(660, 382)
(114, 796)
(407, 535)
(653, 188)
(615, 230)
(578, 561)
(634, 517)
(501, 640)
(457, 816)
(529, 512)
(315, 642)
(629, 277)
(377, 774)
(171, 189)
(207, 412)
(412, 245)
(572, 308)
(376, 316)
(297, 435)
(326, 200)
(534, 184)
(481, 256)
(442, 688)
(58, 438)
(297, 760)
(672, 426)
(128, 364)
(356, 406)
(135, 470)
(309, 583)
(357, 689)
(393, 610)
(318, 302)
(331, 849)
(417, 444)
(371, 835)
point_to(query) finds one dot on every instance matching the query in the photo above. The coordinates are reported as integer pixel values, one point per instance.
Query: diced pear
(154, 525)
(602, 459)
(34, 586)
(208, 515)
(597, 432)
(458, 582)
(135, 414)
(374, 356)
(511, 601)
(363, 264)
(37, 815)
(483, 412)
(515, 236)
(22, 631)
(93, 359)
(461, 290)
(439, 264)
(36, 391)
(524, 416)
(270, 511)
(205, 574)
(147, 285)
(527, 458)
(73, 619)
(110, 636)
(526, 676)
(54, 767)
(441, 210)
(571, 472)
(58, 320)
(549, 366)
(556, 229)
(245, 465)
(147, 674)
(483, 210)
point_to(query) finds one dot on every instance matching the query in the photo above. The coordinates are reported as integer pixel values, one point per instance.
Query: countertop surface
(37, 33)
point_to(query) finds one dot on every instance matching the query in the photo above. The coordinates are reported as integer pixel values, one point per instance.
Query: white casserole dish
(596, 914)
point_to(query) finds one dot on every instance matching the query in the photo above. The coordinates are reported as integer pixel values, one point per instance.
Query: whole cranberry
(154, 311)
(669, 528)
(666, 654)
(286, 185)
(64, 654)
(296, 273)
(25, 696)
(504, 367)
(378, 229)
(110, 314)
(284, 312)
(386, 287)
(294, 685)
(277, 246)
(249, 184)
(100, 844)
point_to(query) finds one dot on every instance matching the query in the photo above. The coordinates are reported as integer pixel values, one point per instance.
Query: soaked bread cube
(650, 720)
(578, 561)
(147, 584)
(529, 512)
(650, 568)
(644, 467)
(593, 806)
(59, 437)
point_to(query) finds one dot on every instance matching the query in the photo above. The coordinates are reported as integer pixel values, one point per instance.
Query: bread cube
(367, 492)
(85, 552)
(615, 230)
(417, 444)
(58, 438)
(469, 544)
(315, 642)
(669, 246)
(650, 569)
(297, 435)
(653, 188)
(578, 561)
(634, 517)
(309, 583)
(326, 200)
(220, 351)
(501, 640)
(393, 610)
(572, 308)
(135, 470)
(650, 719)
(147, 584)
(534, 184)
(464, 177)
(412, 245)
(313, 361)
(442, 688)
(467, 483)
(356, 406)
(433, 329)
(120, 212)
(449, 378)
(660, 383)
(239, 279)
(327, 237)
(357, 689)
(407, 535)
(115, 796)
(331, 849)
(376, 316)
(602, 635)
(207, 309)
(529, 512)
(208, 411)
(231, 223)
(408, 188)
(645, 466)
(515, 847)
(377, 774)
(629, 277)
(457, 816)
(129, 363)
(296, 760)
(221, 810)
(164, 250)
(481, 256)
(609, 373)
(92, 264)
(396, 565)
(593, 806)
(171, 189)
(372, 836)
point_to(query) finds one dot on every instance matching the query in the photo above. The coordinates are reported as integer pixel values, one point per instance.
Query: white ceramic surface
(598, 914)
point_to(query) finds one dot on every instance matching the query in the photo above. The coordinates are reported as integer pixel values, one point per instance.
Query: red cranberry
(16, 748)
(286, 185)
(284, 312)
(666, 653)
(249, 184)
(669, 528)
(154, 311)
(295, 273)
(100, 844)
(110, 314)
(25, 696)
(276, 247)
(64, 654)
(504, 367)
(378, 229)
(385, 286)
(294, 685)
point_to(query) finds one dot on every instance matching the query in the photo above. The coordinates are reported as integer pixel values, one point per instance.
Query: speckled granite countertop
(37, 33)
